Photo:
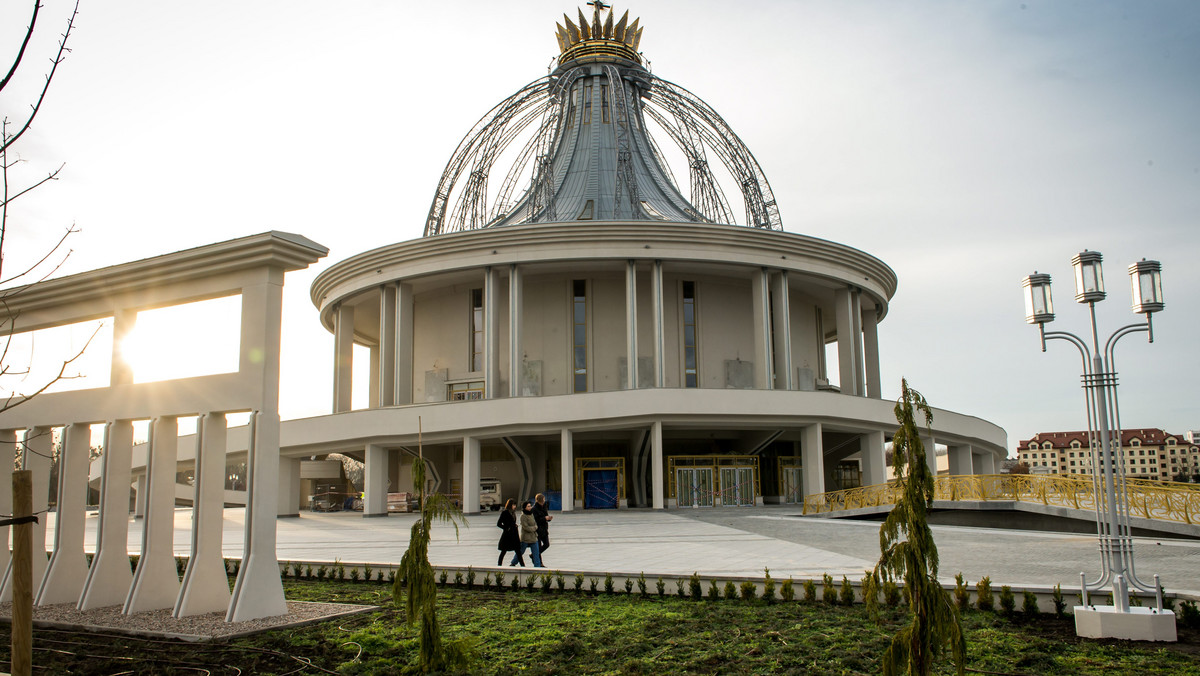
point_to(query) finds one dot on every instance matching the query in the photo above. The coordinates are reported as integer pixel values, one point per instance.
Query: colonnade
(392, 367)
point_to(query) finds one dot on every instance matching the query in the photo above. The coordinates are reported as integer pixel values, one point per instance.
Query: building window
(465, 391)
(579, 322)
(476, 329)
(690, 375)
(587, 103)
(604, 103)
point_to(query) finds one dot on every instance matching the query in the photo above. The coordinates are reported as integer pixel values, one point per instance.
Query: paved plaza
(735, 541)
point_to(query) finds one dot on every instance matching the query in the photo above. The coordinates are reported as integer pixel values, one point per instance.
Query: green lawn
(533, 632)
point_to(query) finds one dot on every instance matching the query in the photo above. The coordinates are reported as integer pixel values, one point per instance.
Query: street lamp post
(1104, 442)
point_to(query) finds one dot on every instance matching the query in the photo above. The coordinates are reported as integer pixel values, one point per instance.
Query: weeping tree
(907, 551)
(415, 582)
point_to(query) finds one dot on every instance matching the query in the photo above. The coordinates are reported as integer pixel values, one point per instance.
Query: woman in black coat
(510, 537)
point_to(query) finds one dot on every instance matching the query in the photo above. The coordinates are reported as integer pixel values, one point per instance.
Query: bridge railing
(1167, 501)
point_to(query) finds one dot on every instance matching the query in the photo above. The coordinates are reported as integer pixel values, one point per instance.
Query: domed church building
(581, 320)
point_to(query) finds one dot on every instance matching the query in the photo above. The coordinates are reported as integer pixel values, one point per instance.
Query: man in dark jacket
(541, 514)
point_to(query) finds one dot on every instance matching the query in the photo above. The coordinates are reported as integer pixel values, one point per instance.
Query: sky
(965, 144)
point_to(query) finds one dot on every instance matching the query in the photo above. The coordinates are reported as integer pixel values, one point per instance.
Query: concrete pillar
(470, 476)
(205, 586)
(386, 378)
(373, 377)
(782, 331)
(960, 460)
(375, 481)
(124, 321)
(984, 463)
(404, 344)
(870, 335)
(848, 366)
(857, 332)
(343, 357)
(567, 448)
(258, 591)
(516, 354)
(491, 333)
(38, 451)
(812, 453)
(660, 331)
(657, 490)
(8, 453)
(110, 575)
(631, 330)
(761, 320)
(156, 581)
(68, 565)
(289, 487)
(139, 496)
(930, 453)
(874, 464)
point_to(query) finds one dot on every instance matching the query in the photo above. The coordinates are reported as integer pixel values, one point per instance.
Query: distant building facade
(1148, 453)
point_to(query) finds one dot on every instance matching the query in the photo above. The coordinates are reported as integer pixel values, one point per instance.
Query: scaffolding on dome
(572, 165)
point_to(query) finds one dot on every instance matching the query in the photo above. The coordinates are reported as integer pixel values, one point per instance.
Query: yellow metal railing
(1146, 499)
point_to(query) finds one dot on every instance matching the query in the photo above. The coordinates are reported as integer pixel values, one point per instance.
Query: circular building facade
(573, 324)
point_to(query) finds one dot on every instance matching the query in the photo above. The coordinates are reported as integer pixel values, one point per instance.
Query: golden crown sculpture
(599, 39)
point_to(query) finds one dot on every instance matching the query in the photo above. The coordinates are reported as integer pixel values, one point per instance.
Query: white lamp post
(1104, 440)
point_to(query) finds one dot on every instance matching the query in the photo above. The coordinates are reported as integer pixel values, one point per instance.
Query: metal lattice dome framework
(576, 145)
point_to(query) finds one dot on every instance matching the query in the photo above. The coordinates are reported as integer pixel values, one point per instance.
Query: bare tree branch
(58, 58)
(37, 4)
(16, 292)
(16, 399)
(52, 176)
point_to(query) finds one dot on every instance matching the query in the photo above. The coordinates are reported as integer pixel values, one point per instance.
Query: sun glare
(184, 341)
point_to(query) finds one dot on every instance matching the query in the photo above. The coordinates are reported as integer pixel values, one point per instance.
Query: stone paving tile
(737, 542)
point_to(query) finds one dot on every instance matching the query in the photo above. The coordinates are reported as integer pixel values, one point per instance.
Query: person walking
(529, 539)
(541, 514)
(510, 536)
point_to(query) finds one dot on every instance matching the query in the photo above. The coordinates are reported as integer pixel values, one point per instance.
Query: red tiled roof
(1151, 436)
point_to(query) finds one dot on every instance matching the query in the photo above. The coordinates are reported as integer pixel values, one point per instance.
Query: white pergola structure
(252, 267)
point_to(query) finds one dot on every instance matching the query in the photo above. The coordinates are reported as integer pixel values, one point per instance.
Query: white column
(960, 460)
(782, 331)
(375, 481)
(373, 379)
(387, 345)
(873, 458)
(812, 454)
(37, 460)
(156, 580)
(984, 463)
(258, 591)
(68, 565)
(567, 446)
(847, 365)
(516, 355)
(124, 321)
(631, 341)
(110, 575)
(404, 344)
(870, 334)
(8, 453)
(289, 487)
(343, 357)
(491, 333)
(470, 477)
(930, 453)
(857, 332)
(657, 491)
(205, 587)
(761, 320)
(139, 496)
(660, 329)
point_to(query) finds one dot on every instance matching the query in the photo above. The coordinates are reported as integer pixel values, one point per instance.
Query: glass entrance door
(737, 486)
(791, 484)
(694, 486)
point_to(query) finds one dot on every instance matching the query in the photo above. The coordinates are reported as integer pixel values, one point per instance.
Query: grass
(535, 632)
